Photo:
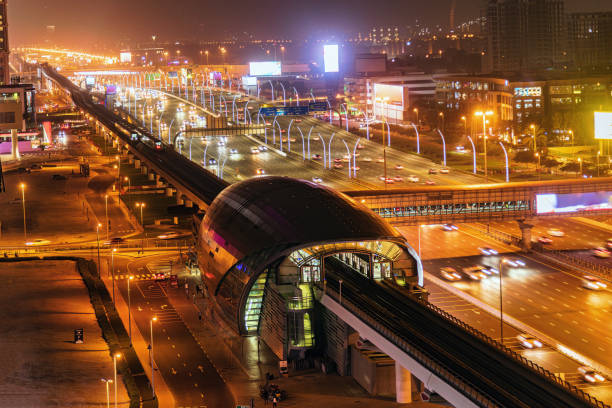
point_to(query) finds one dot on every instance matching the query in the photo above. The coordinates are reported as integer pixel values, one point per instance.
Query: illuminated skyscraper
(5, 76)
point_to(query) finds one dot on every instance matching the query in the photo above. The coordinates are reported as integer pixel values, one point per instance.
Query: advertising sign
(603, 125)
(90, 81)
(530, 91)
(249, 81)
(575, 202)
(125, 57)
(111, 89)
(265, 68)
(172, 74)
(331, 58)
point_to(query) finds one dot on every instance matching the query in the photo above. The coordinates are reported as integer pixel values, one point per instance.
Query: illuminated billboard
(90, 81)
(603, 125)
(331, 58)
(125, 57)
(530, 91)
(265, 68)
(172, 74)
(576, 202)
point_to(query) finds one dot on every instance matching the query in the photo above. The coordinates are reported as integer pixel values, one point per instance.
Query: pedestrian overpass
(490, 202)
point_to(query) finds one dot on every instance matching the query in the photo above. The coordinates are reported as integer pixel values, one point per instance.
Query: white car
(317, 180)
(592, 283)
(515, 262)
(38, 242)
(556, 232)
(413, 179)
(528, 341)
(444, 170)
(488, 251)
(169, 235)
(255, 150)
(367, 159)
(475, 273)
(601, 252)
(450, 274)
(589, 374)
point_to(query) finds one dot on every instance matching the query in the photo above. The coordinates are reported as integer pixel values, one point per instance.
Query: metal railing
(603, 271)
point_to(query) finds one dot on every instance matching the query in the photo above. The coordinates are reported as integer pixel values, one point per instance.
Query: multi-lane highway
(402, 169)
(551, 300)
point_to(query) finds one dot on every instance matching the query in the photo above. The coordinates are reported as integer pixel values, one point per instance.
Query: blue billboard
(568, 203)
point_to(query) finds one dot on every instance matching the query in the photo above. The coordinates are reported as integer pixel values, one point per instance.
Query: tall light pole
(464, 120)
(538, 168)
(104, 380)
(22, 186)
(153, 319)
(580, 161)
(535, 142)
(598, 154)
(484, 138)
(115, 357)
(416, 111)
(129, 308)
(141, 205)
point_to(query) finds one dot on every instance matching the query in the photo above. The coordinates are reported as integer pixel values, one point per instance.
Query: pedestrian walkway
(118, 224)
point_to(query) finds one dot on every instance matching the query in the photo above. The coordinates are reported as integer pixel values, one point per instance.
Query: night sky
(84, 22)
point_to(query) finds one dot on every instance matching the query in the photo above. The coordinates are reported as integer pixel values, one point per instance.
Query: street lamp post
(598, 154)
(535, 142)
(115, 357)
(502, 261)
(151, 357)
(464, 120)
(107, 381)
(484, 138)
(473, 153)
(22, 186)
(141, 205)
(416, 111)
(129, 308)
(507, 169)
(580, 161)
(538, 168)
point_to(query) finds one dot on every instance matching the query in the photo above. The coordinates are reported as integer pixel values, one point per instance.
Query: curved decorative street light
(416, 130)
(355, 157)
(473, 153)
(303, 144)
(348, 153)
(297, 95)
(507, 169)
(443, 145)
(284, 94)
(329, 149)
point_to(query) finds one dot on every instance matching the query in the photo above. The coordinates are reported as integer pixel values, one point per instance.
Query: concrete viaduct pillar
(152, 176)
(145, 170)
(169, 191)
(136, 163)
(188, 203)
(407, 387)
(525, 234)
(179, 198)
(130, 158)
(14, 144)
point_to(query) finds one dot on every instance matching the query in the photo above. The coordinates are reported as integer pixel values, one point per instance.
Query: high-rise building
(525, 35)
(5, 76)
(590, 38)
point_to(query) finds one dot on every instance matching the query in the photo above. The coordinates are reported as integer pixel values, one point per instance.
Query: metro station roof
(267, 212)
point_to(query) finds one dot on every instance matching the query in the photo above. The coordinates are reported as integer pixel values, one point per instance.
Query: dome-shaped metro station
(264, 242)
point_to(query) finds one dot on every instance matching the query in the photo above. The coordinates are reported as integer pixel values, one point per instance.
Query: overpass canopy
(281, 228)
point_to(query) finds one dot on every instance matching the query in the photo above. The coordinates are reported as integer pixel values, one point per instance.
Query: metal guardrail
(602, 271)
(137, 244)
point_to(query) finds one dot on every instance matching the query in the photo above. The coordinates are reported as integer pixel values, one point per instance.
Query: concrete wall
(335, 339)
(376, 377)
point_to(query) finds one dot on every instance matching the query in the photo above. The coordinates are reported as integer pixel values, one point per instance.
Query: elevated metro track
(197, 184)
(442, 348)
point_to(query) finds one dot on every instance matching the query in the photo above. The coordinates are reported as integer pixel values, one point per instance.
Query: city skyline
(96, 23)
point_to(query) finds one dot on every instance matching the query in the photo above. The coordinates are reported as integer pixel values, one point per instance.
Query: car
(233, 151)
(474, 272)
(591, 375)
(221, 143)
(430, 182)
(115, 241)
(545, 240)
(398, 179)
(609, 243)
(487, 251)
(36, 166)
(58, 177)
(515, 262)
(337, 160)
(316, 157)
(260, 172)
(263, 148)
(38, 242)
(360, 146)
(367, 159)
(490, 270)
(399, 167)
(380, 160)
(169, 235)
(317, 180)
(338, 165)
(450, 274)
(255, 150)
(298, 120)
(389, 180)
(444, 170)
(601, 252)
(433, 171)
(413, 179)
(212, 162)
(556, 232)
(592, 283)
(528, 341)
(449, 227)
